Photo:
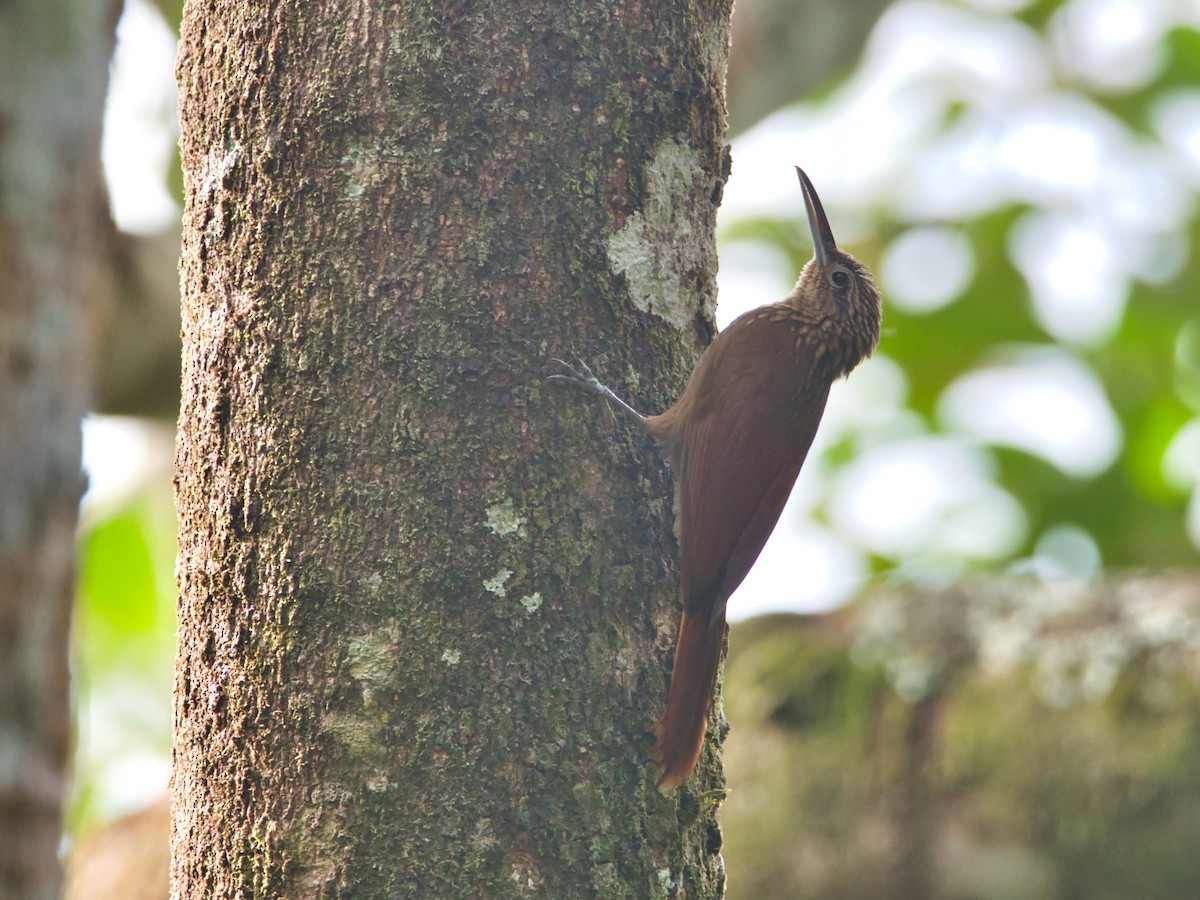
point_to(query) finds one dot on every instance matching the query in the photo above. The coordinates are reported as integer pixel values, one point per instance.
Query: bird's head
(835, 289)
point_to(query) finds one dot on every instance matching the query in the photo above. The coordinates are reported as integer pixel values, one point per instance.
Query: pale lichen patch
(666, 881)
(495, 584)
(714, 49)
(365, 170)
(370, 658)
(525, 874)
(662, 246)
(502, 519)
(358, 734)
(216, 167)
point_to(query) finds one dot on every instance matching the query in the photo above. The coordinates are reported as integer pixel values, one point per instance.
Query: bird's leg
(582, 379)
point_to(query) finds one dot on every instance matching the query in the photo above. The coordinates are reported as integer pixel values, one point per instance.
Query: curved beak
(822, 234)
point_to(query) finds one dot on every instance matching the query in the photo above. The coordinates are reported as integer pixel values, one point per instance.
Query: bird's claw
(580, 377)
(583, 379)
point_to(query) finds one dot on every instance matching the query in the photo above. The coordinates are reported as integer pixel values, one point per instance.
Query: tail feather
(680, 729)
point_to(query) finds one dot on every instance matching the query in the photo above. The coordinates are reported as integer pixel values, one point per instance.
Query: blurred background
(1022, 178)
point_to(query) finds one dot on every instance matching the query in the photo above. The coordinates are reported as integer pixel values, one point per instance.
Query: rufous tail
(680, 729)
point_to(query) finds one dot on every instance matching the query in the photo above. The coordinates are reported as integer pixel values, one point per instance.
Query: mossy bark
(427, 601)
(53, 72)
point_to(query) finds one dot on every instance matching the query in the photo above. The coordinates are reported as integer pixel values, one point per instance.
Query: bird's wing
(739, 457)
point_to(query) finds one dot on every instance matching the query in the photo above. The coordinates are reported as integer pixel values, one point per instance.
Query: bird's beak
(821, 232)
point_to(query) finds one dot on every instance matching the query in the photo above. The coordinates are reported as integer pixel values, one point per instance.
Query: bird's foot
(581, 377)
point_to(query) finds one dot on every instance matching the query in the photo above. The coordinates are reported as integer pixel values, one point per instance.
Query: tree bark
(427, 601)
(53, 72)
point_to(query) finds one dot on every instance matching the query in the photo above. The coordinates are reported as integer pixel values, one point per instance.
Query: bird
(735, 441)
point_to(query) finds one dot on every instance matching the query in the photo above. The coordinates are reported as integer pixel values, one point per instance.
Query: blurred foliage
(124, 657)
(1148, 364)
(776, 54)
(978, 743)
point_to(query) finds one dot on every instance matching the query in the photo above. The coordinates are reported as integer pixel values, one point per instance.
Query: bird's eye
(839, 278)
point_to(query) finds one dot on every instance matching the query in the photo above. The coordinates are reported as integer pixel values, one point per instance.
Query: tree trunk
(427, 601)
(53, 71)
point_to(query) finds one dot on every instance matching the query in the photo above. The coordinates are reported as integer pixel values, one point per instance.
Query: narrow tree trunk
(53, 70)
(427, 601)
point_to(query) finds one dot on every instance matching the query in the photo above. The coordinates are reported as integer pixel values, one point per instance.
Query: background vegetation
(1022, 178)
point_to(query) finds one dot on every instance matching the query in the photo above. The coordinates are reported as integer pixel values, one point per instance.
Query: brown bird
(736, 439)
